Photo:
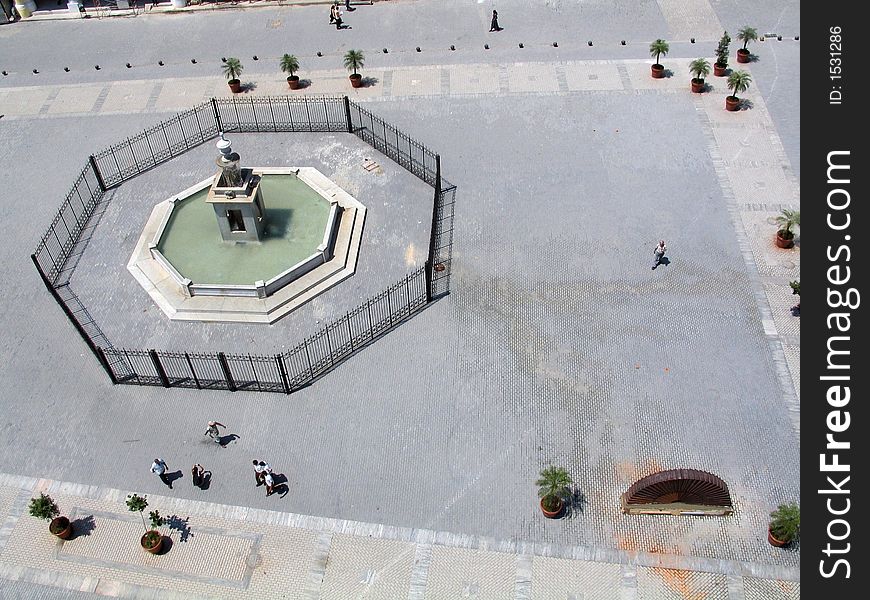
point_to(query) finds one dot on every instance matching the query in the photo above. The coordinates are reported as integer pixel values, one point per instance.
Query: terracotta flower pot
(697, 85)
(657, 70)
(720, 70)
(356, 80)
(552, 514)
(772, 539)
(61, 527)
(293, 82)
(146, 542)
(742, 55)
(782, 241)
(235, 85)
(732, 103)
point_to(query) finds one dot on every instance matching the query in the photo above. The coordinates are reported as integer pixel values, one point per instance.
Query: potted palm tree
(553, 490)
(289, 65)
(232, 69)
(45, 508)
(738, 82)
(720, 67)
(353, 61)
(785, 525)
(786, 220)
(700, 68)
(152, 540)
(658, 49)
(745, 35)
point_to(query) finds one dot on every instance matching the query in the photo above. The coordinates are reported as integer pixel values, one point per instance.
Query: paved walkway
(221, 551)
(752, 169)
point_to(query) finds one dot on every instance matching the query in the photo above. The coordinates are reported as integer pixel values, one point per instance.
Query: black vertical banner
(834, 427)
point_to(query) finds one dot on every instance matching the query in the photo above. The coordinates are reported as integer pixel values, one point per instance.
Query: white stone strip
(523, 584)
(328, 526)
(318, 567)
(628, 583)
(420, 572)
(735, 588)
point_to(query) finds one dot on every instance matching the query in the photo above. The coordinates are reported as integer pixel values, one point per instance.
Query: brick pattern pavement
(221, 551)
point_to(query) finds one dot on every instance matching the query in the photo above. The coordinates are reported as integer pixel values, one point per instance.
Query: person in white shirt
(659, 253)
(158, 467)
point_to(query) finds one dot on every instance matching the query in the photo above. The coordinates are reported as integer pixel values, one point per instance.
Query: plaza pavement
(558, 364)
(219, 551)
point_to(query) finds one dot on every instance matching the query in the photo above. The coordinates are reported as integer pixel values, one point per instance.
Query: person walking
(659, 253)
(213, 431)
(158, 467)
(332, 10)
(494, 24)
(269, 480)
(259, 471)
(196, 474)
(347, 5)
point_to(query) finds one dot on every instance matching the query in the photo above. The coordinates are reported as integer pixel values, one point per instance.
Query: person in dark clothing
(494, 25)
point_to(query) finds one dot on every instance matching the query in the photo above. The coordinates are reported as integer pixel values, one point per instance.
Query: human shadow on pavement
(280, 486)
(182, 526)
(83, 526)
(226, 439)
(173, 477)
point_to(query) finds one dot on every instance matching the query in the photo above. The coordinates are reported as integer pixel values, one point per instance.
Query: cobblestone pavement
(220, 551)
(557, 344)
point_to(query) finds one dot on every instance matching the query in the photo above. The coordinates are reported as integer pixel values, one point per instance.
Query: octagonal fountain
(248, 244)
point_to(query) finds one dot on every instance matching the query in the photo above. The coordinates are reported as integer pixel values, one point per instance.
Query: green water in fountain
(296, 218)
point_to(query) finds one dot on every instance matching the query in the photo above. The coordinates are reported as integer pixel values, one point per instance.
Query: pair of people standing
(335, 15)
(263, 475)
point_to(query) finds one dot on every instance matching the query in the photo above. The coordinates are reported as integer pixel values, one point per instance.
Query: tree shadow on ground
(574, 504)
(182, 526)
(370, 81)
(83, 526)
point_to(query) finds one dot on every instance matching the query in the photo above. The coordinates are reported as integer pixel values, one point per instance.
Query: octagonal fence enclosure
(56, 254)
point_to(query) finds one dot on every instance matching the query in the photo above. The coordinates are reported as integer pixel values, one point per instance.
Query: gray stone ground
(557, 345)
(395, 242)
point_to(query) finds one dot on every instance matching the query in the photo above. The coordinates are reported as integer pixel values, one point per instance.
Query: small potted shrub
(289, 65)
(232, 69)
(745, 35)
(658, 49)
(785, 525)
(738, 82)
(152, 540)
(786, 220)
(353, 61)
(720, 67)
(45, 508)
(553, 490)
(796, 289)
(700, 68)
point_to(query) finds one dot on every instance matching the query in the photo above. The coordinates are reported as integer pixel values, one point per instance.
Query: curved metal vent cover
(678, 492)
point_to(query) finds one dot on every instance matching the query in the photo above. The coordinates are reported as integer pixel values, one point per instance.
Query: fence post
(72, 319)
(105, 362)
(217, 115)
(99, 175)
(283, 371)
(158, 366)
(347, 114)
(225, 366)
(192, 371)
(430, 261)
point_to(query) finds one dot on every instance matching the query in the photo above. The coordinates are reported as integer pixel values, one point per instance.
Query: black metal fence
(285, 372)
(317, 354)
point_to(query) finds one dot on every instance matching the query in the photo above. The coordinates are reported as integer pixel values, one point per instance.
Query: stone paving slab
(560, 578)
(673, 584)
(75, 99)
